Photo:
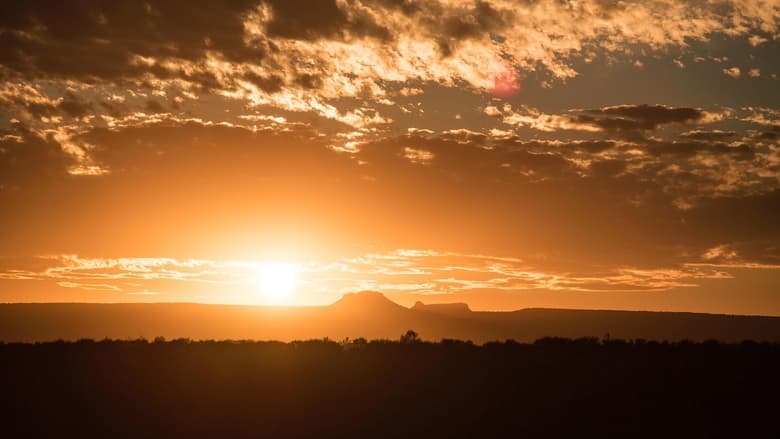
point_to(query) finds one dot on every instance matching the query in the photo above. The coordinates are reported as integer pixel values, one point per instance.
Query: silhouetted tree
(410, 337)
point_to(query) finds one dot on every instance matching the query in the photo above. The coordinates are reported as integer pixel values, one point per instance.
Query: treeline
(413, 338)
(553, 387)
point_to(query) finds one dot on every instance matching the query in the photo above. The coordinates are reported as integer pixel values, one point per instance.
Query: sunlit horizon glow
(487, 283)
(588, 154)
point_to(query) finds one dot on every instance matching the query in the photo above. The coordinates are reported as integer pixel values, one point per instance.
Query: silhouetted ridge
(443, 308)
(367, 301)
(368, 315)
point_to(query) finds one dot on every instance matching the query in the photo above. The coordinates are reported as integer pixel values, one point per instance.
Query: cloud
(756, 40)
(31, 102)
(301, 20)
(257, 49)
(535, 119)
(421, 271)
(638, 117)
(420, 156)
(734, 72)
(628, 121)
(763, 116)
(337, 61)
(121, 274)
(708, 135)
(30, 160)
(748, 254)
(643, 203)
(96, 40)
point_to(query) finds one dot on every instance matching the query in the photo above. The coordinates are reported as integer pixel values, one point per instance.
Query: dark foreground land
(550, 388)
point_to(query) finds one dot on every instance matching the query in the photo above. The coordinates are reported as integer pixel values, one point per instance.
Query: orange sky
(580, 155)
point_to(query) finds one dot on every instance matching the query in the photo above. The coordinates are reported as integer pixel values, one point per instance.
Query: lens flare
(506, 84)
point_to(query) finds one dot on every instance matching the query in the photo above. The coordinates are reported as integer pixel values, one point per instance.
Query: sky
(505, 153)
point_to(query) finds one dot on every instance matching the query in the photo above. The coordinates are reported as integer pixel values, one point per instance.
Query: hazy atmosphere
(390, 218)
(505, 154)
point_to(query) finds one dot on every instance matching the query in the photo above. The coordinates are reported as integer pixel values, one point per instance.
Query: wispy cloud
(416, 271)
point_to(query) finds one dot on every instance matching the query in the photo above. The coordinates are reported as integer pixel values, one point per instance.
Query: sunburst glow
(276, 280)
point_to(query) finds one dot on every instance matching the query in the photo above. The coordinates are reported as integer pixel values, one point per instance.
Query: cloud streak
(423, 272)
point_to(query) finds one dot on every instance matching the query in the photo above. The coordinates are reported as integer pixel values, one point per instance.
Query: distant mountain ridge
(443, 308)
(364, 314)
(366, 300)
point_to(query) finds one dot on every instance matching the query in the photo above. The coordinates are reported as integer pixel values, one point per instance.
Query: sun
(276, 280)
